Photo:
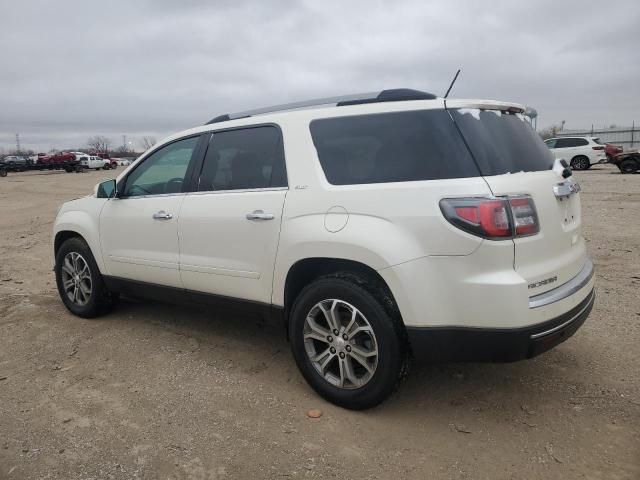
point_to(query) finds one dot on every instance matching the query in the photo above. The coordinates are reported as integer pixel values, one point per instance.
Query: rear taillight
(493, 218)
(598, 147)
(525, 218)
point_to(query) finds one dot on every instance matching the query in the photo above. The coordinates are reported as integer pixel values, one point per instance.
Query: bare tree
(148, 142)
(99, 143)
(123, 150)
(549, 132)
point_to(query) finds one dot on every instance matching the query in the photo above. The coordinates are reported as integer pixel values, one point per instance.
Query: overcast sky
(71, 69)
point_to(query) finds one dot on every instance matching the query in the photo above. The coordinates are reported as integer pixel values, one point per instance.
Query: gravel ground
(156, 391)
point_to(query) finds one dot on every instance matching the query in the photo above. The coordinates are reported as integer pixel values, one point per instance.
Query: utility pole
(124, 143)
(18, 143)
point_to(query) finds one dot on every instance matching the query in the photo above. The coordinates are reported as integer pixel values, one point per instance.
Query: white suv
(378, 227)
(580, 152)
(94, 162)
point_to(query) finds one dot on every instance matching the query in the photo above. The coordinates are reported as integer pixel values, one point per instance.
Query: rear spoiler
(487, 105)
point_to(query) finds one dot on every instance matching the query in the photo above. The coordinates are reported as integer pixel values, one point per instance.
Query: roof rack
(392, 95)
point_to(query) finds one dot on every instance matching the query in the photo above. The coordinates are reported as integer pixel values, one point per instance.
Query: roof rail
(393, 95)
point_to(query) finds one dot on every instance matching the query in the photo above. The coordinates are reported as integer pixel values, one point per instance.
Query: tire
(68, 169)
(3, 172)
(629, 166)
(374, 383)
(580, 163)
(93, 297)
(106, 167)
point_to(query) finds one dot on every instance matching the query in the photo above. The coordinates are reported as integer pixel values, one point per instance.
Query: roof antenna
(452, 82)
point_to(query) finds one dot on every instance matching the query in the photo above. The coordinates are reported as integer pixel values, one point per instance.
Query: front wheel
(79, 281)
(348, 346)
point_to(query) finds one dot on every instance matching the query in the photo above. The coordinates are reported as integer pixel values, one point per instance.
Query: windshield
(502, 142)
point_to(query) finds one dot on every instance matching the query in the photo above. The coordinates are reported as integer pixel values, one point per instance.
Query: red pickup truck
(57, 158)
(114, 162)
(611, 151)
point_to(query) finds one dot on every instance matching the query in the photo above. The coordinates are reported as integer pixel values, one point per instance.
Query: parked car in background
(14, 161)
(94, 162)
(39, 158)
(580, 152)
(106, 156)
(627, 162)
(396, 224)
(123, 162)
(611, 151)
(57, 158)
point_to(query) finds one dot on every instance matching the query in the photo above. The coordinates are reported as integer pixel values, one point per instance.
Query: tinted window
(391, 147)
(550, 143)
(564, 143)
(163, 171)
(502, 142)
(571, 142)
(243, 159)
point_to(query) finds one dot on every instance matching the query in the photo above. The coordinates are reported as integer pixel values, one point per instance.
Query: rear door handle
(260, 215)
(162, 215)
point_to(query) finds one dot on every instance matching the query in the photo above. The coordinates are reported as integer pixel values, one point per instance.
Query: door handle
(260, 215)
(162, 215)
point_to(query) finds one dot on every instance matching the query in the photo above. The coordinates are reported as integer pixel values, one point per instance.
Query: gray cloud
(71, 69)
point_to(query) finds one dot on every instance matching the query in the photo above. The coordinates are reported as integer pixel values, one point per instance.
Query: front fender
(82, 216)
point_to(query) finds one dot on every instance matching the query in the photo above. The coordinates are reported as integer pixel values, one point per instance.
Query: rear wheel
(580, 163)
(629, 166)
(3, 172)
(79, 281)
(346, 343)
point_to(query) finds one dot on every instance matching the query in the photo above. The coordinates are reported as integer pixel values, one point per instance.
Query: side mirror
(106, 189)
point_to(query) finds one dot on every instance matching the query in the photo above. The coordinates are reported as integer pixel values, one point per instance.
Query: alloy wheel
(340, 343)
(76, 278)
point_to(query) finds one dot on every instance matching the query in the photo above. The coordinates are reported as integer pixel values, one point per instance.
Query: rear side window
(391, 147)
(242, 159)
(571, 142)
(503, 142)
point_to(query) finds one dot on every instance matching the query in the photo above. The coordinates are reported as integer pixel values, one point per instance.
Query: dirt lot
(155, 391)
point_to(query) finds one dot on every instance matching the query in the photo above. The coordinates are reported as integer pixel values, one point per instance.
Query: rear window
(391, 147)
(502, 142)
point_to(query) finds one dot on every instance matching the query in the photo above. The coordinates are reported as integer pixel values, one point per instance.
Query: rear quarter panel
(379, 225)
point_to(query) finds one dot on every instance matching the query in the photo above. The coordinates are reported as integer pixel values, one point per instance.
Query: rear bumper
(469, 344)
